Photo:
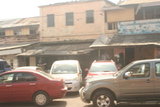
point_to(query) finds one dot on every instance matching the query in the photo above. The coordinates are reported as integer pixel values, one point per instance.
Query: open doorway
(129, 55)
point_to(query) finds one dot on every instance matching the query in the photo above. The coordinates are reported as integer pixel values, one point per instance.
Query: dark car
(4, 66)
(28, 85)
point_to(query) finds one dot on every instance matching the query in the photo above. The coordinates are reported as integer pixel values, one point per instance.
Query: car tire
(103, 98)
(41, 98)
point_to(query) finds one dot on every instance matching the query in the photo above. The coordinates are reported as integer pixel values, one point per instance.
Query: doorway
(129, 55)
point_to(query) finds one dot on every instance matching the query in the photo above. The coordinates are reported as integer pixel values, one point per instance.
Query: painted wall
(80, 30)
(9, 32)
(126, 14)
(139, 27)
(32, 61)
(25, 31)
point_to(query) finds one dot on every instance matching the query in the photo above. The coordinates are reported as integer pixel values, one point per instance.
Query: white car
(70, 71)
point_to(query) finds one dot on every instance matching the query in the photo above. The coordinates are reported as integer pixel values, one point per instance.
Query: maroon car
(28, 85)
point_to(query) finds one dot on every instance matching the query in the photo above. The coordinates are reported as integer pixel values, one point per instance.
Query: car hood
(102, 77)
(65, 76)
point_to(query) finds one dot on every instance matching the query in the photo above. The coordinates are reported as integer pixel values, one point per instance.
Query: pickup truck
(139, 81)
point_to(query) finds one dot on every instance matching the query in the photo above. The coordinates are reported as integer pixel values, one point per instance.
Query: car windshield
(64, 68)
(103, 67)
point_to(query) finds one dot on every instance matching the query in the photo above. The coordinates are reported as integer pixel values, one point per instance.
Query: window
(2, 33)
(32, 32)
(17, 32)
(24, 77)
(89, 16)
(151, 12)
(7, 78)
(50, 20)
(140, 71)
(69, 19)
(112, 26)
(158, 69)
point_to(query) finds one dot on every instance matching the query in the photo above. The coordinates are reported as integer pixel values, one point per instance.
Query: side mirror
(127, 75)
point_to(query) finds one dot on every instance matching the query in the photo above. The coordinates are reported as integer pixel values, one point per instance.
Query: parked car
(99, 68)
(4, 66)
(28, 85)
(29, 68)
(138, 82)
(70, 71)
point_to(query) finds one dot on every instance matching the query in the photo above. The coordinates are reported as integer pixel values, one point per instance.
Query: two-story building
(68, 29)
(136, 28)
(16, 37)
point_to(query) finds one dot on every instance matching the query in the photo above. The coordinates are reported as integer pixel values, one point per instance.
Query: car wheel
(103, 99)
(41, 98)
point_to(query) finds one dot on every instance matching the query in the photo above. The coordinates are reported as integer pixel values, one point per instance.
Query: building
(135, 25)
(68, 29)
(16, 37)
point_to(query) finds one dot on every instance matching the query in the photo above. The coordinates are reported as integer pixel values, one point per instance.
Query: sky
(11, 9)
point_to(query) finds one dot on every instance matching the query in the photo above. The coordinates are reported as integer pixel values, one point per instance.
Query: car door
(157, 78)
(6, 87)
(24, 86)
(139, 85)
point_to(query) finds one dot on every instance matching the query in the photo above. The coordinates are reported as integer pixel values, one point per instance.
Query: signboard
(139, 27)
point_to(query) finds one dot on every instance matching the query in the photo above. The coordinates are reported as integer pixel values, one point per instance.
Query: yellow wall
(9, 32)
(25, 31)
(32, 61)
(126, 14)
(80, 30)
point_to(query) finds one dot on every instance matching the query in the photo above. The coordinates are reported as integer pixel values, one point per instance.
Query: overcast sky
(10, 9)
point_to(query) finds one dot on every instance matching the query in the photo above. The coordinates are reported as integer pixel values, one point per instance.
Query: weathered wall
(126, 14)
(80, 30)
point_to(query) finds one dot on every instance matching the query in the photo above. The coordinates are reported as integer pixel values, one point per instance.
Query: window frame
(139, 65)
(50, 20)
(69, 18)
(89, 16)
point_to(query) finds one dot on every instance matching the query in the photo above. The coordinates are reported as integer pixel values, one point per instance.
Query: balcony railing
(139, 27)
(19, 38)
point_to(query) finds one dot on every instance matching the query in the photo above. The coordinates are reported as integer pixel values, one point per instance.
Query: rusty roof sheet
(131, 2)
(20, 22)
(127, 40)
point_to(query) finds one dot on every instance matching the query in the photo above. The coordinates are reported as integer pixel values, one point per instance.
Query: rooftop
(131, 2)
(20, 22)
(76, 1)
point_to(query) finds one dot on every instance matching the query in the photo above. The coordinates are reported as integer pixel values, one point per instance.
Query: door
(24, 86)
(157, 79)
(6, 87)
(139, 85)
(129, 55)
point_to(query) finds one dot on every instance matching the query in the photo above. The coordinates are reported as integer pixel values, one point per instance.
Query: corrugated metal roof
(20, 22)
(130, 2)
(127, 40)
(60, 49)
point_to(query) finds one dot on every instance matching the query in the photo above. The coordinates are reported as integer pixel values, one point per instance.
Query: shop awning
(59, 49)
(126, 40)
(12, 49)
(67, 49)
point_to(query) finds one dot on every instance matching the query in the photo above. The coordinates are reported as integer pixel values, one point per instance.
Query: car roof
(104, 61)
(27, 67)
(66, 61)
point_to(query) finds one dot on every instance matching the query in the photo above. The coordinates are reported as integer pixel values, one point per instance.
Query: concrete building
(16, 37)
(136, 28)
(68, 29)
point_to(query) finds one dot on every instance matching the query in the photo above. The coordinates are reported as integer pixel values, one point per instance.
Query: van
(4, 66)
(70, 71)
